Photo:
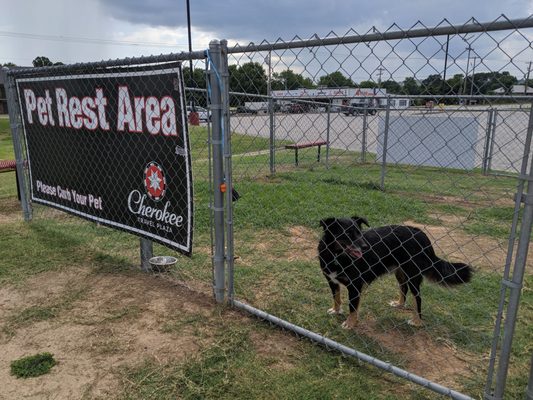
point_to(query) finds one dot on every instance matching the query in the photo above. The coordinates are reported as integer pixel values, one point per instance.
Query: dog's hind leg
(354, 294)
(402, 282)
(414, 287)
(336, 292)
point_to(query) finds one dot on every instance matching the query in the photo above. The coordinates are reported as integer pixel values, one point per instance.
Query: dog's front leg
(354, 293)
(336, 292)
(402, 282)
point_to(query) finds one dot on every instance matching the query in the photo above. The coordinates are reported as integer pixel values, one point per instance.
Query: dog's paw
(333, 311)
(415, 322)
(396, 304)
(348, 325)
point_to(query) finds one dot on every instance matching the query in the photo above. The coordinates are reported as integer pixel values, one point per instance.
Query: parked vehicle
(203, 114)
(360, 107)
(298, 108)
(245, 110)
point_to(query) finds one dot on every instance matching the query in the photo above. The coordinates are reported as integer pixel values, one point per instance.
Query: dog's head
(344, 235)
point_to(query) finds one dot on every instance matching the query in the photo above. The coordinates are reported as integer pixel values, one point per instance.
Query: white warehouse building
(340, 97)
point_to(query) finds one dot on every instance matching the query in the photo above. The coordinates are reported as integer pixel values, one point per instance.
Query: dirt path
(101, 322)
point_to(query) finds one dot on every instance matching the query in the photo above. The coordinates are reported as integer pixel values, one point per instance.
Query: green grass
(31, 366)
(6, 143)
(271, 276)
(233, 367)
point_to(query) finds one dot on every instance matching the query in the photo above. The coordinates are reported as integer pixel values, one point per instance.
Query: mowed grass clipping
(31, 366)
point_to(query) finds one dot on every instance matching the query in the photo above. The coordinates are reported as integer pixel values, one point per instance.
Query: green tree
(368, 85)
(249, 78)
(198, 80)
(392, 87)
(503, 79)
(289, 80)
(410, 87)
(335, 79)
(9, 64)
(454, 85)
(42, 61)
(432, 85)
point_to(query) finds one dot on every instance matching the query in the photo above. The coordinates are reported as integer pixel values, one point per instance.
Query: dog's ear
(360, 221)
(325, 223)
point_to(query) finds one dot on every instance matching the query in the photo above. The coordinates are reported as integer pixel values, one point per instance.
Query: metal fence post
(328, 126)
(492, 140)
(529, 390)
(363, 139)
(15, 123)
(147, 252)
(385, 144)
(224, 73)
(515, 284)
(272, 135)
(506, 273)
(217, 143)
(489, 143)
(271, 116)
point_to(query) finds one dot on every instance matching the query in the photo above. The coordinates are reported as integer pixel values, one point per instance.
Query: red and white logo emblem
(154, 181)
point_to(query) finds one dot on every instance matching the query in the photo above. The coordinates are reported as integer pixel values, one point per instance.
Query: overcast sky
(90, 30)
(76, 30)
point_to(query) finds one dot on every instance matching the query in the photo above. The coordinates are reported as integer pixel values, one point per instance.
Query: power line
(78, 39)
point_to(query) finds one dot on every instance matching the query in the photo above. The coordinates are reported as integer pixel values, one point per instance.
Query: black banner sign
(113, 147)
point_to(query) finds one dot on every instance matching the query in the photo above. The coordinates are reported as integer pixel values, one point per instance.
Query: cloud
(253, 21)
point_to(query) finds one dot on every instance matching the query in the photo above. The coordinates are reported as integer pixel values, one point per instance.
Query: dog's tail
(447, 273)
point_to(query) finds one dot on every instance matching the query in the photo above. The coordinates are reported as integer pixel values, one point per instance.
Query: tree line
(251, 78)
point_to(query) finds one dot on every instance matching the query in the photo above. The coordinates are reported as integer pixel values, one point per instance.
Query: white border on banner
(185, 130)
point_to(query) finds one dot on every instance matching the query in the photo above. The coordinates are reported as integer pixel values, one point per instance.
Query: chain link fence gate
(417, 127)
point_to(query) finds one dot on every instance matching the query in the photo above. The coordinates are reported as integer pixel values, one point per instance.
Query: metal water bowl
(162, 263)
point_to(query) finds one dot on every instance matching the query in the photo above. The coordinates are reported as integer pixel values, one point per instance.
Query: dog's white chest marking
(392, 268)
(333, 277)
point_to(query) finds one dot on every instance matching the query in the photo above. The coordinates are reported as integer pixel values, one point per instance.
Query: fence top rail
(121, 62)
(511, 98)
(473, 27)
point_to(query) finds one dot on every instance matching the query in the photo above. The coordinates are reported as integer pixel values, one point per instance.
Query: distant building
(339, 97)
(516, 90)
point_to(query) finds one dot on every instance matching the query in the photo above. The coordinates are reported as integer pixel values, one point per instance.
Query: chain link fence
(84, 125)
(427, 128)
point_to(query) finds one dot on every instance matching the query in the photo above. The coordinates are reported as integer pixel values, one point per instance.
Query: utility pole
(472, 80)
(469, 48)
(380, 72)
(443, 86)
(526, 85)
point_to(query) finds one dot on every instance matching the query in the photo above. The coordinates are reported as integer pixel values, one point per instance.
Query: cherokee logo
(155, 182)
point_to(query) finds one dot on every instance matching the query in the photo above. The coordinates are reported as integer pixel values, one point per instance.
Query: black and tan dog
(355, 257)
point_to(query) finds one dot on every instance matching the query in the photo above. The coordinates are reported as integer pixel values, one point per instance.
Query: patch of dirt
(118, 321)
(433, 358)
(10, 211)
(483, 199)
(279, 349)
(296, 243)
(303, 244)
(455, 245)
